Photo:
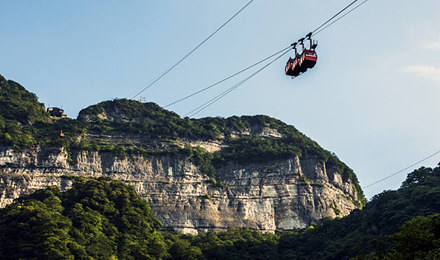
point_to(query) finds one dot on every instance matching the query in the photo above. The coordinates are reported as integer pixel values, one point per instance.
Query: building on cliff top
(56, 112)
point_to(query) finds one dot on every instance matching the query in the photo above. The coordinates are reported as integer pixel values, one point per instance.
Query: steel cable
(225, 79)
(354, 8)
(192, 51)
(317, 30)
(412, 165)
(334, 16)
(218, 97)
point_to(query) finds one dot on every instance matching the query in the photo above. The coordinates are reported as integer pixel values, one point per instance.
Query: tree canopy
(95, 219)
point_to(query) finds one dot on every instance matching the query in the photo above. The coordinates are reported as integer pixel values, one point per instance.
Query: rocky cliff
(197, 174)
(280, 195)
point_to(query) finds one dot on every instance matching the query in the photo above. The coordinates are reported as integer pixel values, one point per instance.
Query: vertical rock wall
(279, 195)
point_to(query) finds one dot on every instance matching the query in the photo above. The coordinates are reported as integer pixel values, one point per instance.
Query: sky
(372, 98)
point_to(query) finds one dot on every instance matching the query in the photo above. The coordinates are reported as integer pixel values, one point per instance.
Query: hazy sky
(372, 98)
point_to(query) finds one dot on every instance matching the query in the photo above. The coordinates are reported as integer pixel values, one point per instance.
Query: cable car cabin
(309, 58)
(306, 60)
(289, 67)
(292, 67)
(301, 66)
(61, 134)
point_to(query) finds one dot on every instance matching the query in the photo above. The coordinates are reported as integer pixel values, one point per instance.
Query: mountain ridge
(236, 160)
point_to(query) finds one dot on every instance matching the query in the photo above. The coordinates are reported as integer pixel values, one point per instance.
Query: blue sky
(372, 98)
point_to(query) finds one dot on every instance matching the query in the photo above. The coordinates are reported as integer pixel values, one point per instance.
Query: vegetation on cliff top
(101, 219)
(18, 104)
(18, 110)
(242, 136)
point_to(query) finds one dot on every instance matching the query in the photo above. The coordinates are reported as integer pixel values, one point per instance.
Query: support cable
(218, 97)
(354, 8)
(412, 165)
(225, 79)
(334, 16)
(316, 31)
(193, 50)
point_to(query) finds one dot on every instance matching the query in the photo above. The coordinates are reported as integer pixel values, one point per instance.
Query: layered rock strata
(279, 195)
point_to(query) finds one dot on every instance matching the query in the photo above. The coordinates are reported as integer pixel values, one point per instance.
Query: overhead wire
(351, 10)
(215, 99)
(394, 174)
(227, 78)
(137, 93)
(218, 97)
(193, 50)
(334, 16)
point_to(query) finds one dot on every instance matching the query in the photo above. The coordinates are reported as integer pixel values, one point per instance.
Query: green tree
(35, 229)
(96, 219)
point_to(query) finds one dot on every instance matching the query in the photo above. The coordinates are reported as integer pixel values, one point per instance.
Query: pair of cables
(335, 18)
(192, 51)
(319, 29)
(338, 16)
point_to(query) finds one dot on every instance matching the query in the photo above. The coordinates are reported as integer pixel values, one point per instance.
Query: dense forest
(24, 123)
(105, 219)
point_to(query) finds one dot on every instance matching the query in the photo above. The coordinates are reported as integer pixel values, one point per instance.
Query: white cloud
(434, 46)
(423, 30)
(427, 72)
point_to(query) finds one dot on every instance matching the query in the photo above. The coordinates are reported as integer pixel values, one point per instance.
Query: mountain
(197, 174)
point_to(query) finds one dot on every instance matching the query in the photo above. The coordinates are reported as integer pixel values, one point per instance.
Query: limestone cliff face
(279, 195)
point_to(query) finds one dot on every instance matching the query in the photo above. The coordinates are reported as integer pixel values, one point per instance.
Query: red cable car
(292, 67)
(309, 59)
(302, 67)
(309, 56)
(306, 60)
